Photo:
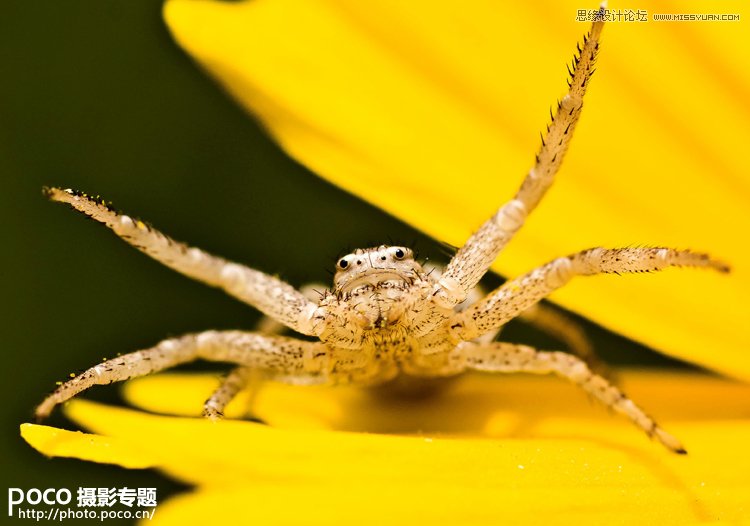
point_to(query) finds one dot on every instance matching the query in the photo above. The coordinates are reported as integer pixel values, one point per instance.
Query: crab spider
(385, 315)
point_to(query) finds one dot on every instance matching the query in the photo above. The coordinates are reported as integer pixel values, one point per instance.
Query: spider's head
(373, 266)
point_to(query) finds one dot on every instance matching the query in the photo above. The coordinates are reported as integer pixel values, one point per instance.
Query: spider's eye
(399, 253)
(343, 263)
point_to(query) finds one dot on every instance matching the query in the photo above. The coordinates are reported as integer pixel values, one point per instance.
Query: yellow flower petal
(541, 452)
(107, 450)
(468, 406)
(431, 111)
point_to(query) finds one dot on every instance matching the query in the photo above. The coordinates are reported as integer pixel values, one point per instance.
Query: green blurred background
(94, 95)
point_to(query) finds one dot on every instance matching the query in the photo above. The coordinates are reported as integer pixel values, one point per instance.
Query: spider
(386, 316)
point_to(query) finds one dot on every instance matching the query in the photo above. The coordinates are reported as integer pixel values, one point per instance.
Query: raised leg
(312, 291)
(475, 257)
(268, 294)
(515, 296)
(280, 355)
(501, 357)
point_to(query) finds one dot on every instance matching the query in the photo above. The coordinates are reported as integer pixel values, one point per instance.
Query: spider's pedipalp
(280, 355)
(474, 259)
(501, 357)
(268, 294)
(517, 295)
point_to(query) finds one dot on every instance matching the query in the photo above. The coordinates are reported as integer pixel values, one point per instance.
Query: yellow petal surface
(432, 111)
(107, 450)
(486, 451)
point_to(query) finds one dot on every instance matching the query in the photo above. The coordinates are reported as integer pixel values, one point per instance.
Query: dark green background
(95, 95)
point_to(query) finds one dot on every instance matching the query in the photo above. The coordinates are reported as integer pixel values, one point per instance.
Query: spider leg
(268, 294)
(563, 328)
(246, 377)
(238, 379)
(515, 296)
(500, 357)
(277, 354)
(270, 325)
(474, 259)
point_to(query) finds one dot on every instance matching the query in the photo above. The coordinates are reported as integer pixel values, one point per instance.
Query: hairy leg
(286, 356)
(268, 294)
(234, 382)
(515, 296)
(242, 377)
(510, 358)
(474, 259)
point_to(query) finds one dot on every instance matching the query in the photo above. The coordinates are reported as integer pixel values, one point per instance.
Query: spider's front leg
(500, 357)
(276, 354)
(266, 293)
(474, 259)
